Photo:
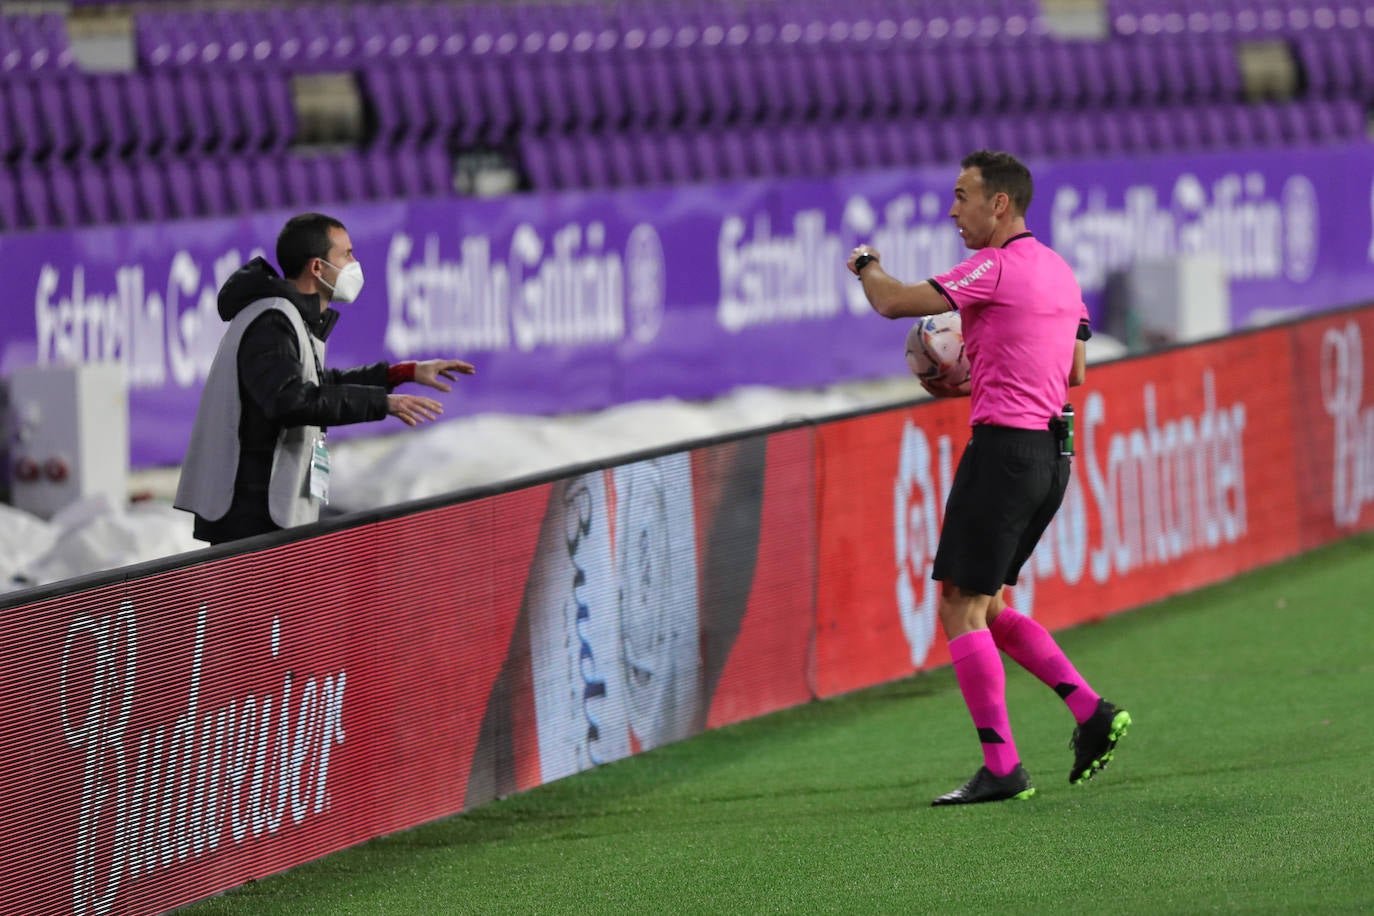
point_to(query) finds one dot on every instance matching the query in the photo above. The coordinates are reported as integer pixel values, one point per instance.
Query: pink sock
(983, 681)
(1032, 647)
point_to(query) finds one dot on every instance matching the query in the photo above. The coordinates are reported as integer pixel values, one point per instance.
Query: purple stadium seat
(732, 160)
(326, 179)
(381, 175)
(93, 186)
(583, 111)
(418, 115)
(239, 187)
(1039, 75)
(87, 126)
(1033, 140)
(271, 189)
(1213, 127)
(462, 88)
(383, 104)
(352, 177)
(202, 127)
(495, 95)
(150, 186)
(704, 149)
(610, 98)
(222, 119)
(976, 83)
(138, 106)
(51, 109)
(569, 171)
(246, 109)
(172, 120)
(1240, 127)
(410, 176)
(868, 145)
(622, 158)
(438, 167)
(11, 142)
(589, 150)
(296, 178)
(1163, 129)
(826, 91)
(529, 94)
(1090, 63)
(124, 197)
(66, 200)
(183, 196)
(777, 101)
(28, 126)
(841, 149)
(717, 87)
(35, 199)
(113, 118)
(212, 187)
(1014, 72)
(1361, 45)
(1350, 120)
(11, 217)
(534, 154)
(1268, 125)
(433, 90)
(650, 163)
(626, 69)
(278, 110)
(1188, 131)
(236, 44)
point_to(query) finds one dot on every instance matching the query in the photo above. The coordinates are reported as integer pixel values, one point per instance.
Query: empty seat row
(1337, 64)
(35, 196)
(75, 115)
(479, 101)
(1238, 18)
(34, 42)
(328, 36)
(653, 158)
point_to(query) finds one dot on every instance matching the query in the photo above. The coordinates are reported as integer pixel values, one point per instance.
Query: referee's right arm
(892, 298)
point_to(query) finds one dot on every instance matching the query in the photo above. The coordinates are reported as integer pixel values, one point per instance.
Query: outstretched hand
(412, 409)
(432, 372)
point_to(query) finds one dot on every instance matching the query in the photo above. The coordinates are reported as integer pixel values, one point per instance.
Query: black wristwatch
(863, 261)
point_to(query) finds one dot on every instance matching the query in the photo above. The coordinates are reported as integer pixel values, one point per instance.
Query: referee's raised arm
(889, 296)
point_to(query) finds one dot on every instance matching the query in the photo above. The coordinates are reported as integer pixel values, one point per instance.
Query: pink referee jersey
(1021, 310)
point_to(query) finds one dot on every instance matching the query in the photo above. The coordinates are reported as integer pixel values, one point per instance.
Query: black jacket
(273, 394)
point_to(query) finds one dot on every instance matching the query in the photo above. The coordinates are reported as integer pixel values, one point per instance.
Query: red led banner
(1183, 477)
(179, 733)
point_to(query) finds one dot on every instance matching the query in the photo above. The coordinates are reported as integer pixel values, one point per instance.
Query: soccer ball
(935, 349)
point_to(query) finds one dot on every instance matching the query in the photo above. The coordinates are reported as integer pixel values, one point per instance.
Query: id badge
(319, 471)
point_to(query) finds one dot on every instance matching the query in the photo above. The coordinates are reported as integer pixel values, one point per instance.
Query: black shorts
(1006, 490)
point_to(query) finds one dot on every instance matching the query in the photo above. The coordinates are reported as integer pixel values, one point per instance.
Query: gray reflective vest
(206, 486)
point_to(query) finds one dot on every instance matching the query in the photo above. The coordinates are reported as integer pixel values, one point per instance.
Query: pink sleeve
(974, 280)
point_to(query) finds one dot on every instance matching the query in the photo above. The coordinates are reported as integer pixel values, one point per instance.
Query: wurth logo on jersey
(971, 277)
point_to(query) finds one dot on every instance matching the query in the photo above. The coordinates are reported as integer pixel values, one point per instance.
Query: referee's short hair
(1003, 173)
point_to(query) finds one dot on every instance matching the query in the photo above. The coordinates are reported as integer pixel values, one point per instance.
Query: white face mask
(348, 284)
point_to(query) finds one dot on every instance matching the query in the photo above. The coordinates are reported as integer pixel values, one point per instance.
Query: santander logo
(1352, 459)
(919, 511)
(177, 791)
(1143, 494)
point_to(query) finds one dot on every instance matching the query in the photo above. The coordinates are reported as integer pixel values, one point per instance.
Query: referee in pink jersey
(1024, 330)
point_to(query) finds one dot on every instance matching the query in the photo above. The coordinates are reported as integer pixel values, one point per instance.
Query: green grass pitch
(1244, 786)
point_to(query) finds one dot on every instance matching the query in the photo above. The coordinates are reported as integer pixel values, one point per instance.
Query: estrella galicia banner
(579, 300)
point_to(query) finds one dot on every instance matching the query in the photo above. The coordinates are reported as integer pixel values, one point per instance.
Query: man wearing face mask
(257, 459)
